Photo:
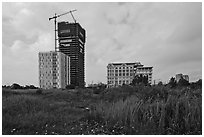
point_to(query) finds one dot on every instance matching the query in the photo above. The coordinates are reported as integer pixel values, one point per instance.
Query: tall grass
(178, 113)
(123, 110)
(29, 114)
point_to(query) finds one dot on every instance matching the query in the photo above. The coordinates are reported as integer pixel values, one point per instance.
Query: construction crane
(55, 21)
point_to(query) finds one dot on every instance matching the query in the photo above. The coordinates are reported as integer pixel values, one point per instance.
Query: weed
(123, 110)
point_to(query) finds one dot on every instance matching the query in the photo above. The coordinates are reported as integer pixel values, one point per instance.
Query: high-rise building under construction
(71, 37)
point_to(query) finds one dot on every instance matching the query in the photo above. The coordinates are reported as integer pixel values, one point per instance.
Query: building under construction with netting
(71, 38)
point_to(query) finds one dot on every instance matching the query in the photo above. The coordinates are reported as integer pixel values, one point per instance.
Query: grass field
(124, 110)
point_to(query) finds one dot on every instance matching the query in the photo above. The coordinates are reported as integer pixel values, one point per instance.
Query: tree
(140, 79)
(182, 82)
(196, 85)
(16, 86)
(160, 83)
(30, 87)
(4, 86)
(199, 83)
(172, 82)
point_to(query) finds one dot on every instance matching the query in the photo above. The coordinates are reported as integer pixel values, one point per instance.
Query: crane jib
(55, 17)
(66, 13)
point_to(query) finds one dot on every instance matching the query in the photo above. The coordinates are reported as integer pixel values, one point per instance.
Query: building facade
(180, 76)
(54, 70)
(144, 71)
(71, 37)
(123, 73)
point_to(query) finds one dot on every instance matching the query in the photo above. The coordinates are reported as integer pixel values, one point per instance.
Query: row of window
(143, 71)
(127, 70)
(121, 68)
(121, 74)
(119, 82)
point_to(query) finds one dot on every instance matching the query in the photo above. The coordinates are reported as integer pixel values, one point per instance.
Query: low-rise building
(54, 70)
(145, 71)
(123, 73)
(180, 76)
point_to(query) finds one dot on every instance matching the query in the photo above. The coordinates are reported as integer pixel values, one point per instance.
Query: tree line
(17, 86)
(143, 79)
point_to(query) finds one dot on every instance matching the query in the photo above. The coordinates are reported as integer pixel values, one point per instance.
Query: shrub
(183, 83)
(172, 82)
(71, 86)
(39, 91)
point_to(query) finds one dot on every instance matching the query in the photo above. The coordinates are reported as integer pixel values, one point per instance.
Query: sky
(166, 36)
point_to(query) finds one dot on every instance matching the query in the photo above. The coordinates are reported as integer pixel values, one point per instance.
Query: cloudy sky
(167, 36)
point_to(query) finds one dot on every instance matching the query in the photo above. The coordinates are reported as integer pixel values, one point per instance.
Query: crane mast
(55, 22)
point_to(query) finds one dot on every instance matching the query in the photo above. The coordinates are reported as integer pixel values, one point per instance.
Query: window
(81, 50)
(80, 45)
(81, 34)
(66, 45)
(65, 31)
(81, 41)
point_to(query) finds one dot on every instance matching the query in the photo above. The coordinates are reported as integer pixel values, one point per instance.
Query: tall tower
(71, 38)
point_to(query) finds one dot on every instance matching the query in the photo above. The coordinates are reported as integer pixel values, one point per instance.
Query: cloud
(166, 36)
(20, 61)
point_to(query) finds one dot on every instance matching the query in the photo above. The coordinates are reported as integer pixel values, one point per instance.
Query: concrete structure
(71, 38)
(179, 76)
(186, 77)
(123, 73)
(145, 71)
(54, 70)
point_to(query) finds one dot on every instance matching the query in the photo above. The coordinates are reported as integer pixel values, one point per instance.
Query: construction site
(69, 40)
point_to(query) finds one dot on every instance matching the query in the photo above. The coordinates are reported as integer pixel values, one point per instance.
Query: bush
(71, 86)
(97, 91)
(183, 83)
(39, 91)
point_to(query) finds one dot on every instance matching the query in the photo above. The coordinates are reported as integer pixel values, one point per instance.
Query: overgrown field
(123, 110)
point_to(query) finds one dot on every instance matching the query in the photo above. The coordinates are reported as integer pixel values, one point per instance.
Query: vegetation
(139, 109)
(39, 91)
(17, 86)
(140, 79)
(177, 112)
(71, 86)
